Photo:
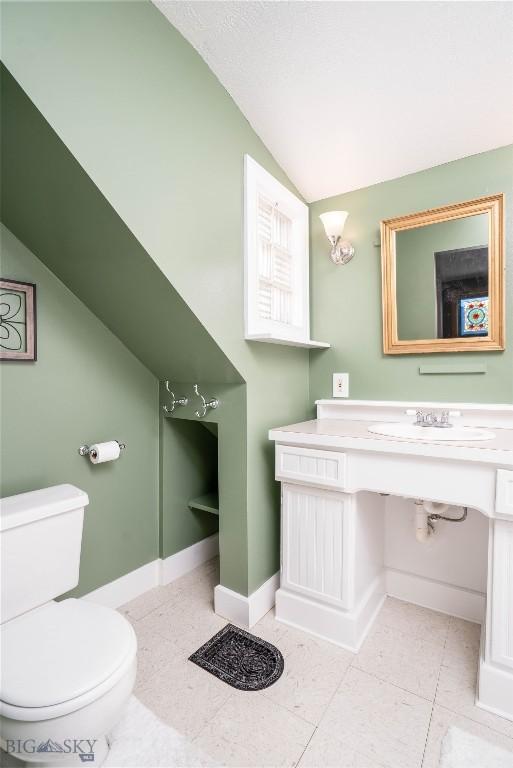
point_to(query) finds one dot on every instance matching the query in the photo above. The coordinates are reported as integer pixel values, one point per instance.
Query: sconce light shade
(334, 222)
(341, 250)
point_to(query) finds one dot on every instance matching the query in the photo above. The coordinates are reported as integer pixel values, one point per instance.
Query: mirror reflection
(442, 279)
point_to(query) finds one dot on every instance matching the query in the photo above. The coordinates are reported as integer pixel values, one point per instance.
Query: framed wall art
(17, 320)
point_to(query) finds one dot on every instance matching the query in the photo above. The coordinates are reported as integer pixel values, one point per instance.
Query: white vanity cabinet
(331, 579)
(335, 475)
(323, 587)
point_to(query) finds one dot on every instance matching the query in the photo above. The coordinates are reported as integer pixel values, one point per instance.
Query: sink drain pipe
(426, 512)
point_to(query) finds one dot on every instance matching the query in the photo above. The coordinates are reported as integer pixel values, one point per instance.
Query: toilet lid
(60, 651)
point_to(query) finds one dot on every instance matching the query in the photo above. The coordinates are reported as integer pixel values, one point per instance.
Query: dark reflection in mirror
(462, 292)
(442, 279)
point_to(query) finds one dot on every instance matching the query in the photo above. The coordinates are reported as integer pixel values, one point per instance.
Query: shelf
(310, 344)
(209, 502)
(452, 369)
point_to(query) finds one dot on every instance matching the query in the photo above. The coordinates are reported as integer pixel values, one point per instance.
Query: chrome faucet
(431, 419)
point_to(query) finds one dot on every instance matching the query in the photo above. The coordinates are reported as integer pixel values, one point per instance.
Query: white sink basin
(435, 434)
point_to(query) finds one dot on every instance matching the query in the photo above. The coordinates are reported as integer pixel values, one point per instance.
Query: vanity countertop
(354, 434)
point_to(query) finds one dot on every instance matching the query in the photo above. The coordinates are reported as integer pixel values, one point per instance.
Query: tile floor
(389, 705)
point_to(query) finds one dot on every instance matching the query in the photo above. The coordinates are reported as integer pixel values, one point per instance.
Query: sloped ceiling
(54, 208)
(348, 94)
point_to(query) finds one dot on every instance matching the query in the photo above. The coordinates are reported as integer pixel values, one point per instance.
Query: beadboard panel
(323, 468)
(502, 603)
(323, 570)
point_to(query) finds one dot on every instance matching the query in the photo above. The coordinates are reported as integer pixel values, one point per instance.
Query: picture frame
(494, 339)
(17, 321)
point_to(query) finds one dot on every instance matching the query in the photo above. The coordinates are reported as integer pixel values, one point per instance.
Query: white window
(276, 260)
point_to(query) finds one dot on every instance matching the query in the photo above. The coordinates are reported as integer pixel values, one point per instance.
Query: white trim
(347, 629)
(258, 181)
(495, 692)
(246, 611)
(231, 605)
(268, 337)
(436, 595)
(498, 415)
(423, 403)
(500, 623)
(188, 559)
(504, 494)
(158, 572)
(127, 587)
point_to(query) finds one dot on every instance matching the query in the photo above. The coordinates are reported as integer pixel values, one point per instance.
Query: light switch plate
(340, 385)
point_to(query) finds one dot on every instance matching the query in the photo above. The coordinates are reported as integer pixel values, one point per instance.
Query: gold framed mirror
(443, 279)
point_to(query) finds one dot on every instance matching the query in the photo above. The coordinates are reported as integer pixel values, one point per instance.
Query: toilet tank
(40, 538)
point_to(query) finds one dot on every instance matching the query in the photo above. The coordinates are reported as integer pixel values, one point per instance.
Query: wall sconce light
(341, 250)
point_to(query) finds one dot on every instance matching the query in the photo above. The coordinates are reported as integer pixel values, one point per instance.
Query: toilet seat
(61, 657)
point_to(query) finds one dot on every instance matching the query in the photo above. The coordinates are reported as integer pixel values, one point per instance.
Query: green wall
(346, 301)
(85, 387)
(124, 172)
(162, 141)
(54, 207)
(415, 270)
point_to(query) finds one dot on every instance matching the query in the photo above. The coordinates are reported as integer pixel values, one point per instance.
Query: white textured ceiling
(348, 94)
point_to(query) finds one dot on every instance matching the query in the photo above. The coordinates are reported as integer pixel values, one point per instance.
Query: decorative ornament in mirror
(474, 316)
(443, 279)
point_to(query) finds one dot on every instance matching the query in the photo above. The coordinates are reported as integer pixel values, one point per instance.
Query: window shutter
(275, 263)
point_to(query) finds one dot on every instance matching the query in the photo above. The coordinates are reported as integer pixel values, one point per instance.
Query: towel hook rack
(174, 400)
(212, 402)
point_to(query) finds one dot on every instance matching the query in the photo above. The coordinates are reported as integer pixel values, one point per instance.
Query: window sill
(270, 339)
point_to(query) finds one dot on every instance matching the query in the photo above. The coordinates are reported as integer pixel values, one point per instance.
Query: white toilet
(67, 668)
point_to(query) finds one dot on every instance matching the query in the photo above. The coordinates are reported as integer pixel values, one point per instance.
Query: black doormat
(240, 659)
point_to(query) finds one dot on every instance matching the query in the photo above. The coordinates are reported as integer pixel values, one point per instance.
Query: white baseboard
(349, 628)
(127, 587)
(346, 628)
(495, 690)
(135, 583)
(246, 611)
(456, 601)
(188, 559)
(242, 610)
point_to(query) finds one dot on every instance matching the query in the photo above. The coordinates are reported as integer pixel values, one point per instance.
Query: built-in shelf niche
(208, 502)
(190, 507)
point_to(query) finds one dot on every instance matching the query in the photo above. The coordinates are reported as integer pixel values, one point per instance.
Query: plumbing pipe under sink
(426, 512)
(422, 529)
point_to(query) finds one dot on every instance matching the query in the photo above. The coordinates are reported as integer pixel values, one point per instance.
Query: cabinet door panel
(318, 544)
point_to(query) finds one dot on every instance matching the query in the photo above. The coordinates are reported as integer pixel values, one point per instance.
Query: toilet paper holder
(85, 450)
